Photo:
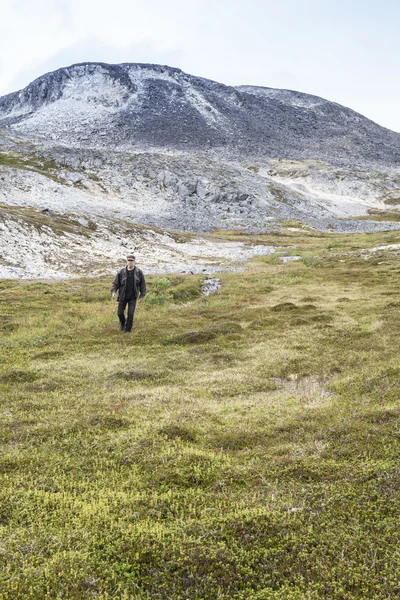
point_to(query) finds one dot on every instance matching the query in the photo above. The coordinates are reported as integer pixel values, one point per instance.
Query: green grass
(242, 446)
(29, 161)
(382, 215)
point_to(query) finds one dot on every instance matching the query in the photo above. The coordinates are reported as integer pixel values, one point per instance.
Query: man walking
(131, 287)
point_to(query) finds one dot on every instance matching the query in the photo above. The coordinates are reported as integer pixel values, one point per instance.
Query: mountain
(150, 106)
(133, 144)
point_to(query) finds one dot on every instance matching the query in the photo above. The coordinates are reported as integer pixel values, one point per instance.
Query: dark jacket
(119, 284)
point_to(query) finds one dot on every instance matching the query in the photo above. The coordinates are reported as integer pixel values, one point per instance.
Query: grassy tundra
(242, 446)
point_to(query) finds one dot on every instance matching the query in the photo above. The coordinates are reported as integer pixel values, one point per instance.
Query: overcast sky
(347, 51)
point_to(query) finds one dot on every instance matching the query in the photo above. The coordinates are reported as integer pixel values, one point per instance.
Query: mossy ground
(242, 446)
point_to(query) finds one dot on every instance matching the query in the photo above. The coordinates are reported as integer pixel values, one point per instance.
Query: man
(131, 287)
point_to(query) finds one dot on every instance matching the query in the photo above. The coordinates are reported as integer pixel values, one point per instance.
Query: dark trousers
(126, 322)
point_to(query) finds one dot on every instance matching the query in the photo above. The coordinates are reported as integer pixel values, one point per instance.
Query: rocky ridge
(48, 244)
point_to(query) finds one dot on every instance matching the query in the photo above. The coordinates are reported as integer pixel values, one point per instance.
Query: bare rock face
(137, 106)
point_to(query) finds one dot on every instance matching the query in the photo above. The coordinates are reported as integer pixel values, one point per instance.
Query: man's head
(130, 261)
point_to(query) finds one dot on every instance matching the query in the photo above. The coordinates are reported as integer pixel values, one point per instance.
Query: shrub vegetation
(242, 446)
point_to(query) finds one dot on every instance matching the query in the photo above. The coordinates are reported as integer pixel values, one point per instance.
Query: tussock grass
(241, 446)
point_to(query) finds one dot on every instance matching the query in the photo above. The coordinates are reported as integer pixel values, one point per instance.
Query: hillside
(122, 146)
(240, 445)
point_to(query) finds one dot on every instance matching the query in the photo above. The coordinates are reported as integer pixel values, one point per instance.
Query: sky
(347, 51)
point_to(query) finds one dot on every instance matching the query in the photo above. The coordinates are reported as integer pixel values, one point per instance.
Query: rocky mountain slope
(151, 145)
(134, 106)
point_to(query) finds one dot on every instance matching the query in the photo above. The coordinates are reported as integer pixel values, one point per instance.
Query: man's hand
(140, 299)
(114, 294)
